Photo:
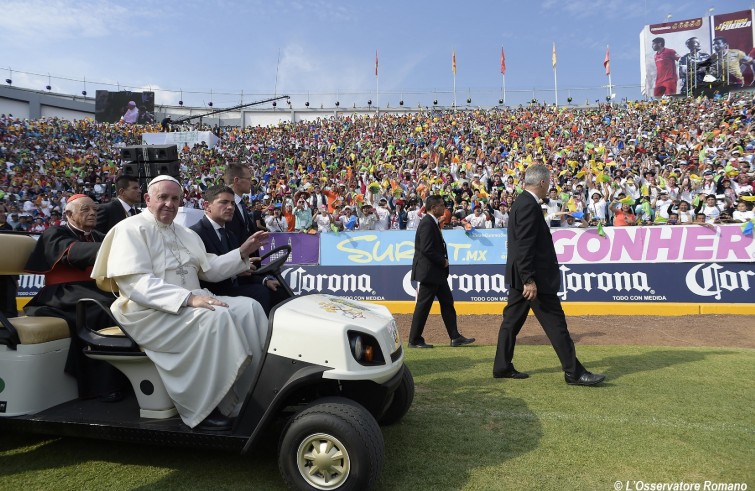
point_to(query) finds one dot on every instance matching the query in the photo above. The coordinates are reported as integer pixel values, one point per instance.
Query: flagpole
(377, 85)
(610, 88)
(504, 89)
(555, 77)
(607, 65)
(555, 84)
(453, 69)
(454, 92)
(503, 76)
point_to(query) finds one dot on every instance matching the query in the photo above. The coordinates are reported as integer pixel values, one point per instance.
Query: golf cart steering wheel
(276, 264)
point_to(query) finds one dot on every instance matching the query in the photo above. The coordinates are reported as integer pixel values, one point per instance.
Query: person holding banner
(430, 269)
(532, 271)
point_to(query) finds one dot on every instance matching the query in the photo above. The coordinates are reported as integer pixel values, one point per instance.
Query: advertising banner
(603, 282)
(647, 264)
(654, 244)
(396, 247)
(732, 39)
(673, 56)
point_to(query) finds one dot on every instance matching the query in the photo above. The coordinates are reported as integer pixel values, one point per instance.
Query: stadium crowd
(669, 161)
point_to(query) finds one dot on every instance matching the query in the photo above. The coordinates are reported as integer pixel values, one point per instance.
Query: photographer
(367, 218)
(302, 216)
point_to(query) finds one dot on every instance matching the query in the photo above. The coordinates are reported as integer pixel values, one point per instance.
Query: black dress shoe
(461, 341)
(421, 344)
(216, 421)
(513, 373)
(586, 378)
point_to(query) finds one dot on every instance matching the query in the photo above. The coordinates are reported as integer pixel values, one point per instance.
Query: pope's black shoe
(461, 341)
(586, 378)
(216, 421)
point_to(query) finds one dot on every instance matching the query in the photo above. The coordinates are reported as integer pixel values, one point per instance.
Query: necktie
(225, 247)
(223, 241)
(132, 211)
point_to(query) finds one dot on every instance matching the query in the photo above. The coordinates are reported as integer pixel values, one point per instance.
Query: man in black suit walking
(430, 269)
(218, 239)
(128, 196)
(533, 274)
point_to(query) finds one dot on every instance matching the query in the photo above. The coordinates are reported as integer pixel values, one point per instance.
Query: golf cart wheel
(333, 444)
(401, 401)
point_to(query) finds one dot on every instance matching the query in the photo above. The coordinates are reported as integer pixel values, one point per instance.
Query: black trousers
(548, 311)
(425, 296)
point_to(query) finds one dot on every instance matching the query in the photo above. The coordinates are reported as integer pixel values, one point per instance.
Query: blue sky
(324, 50)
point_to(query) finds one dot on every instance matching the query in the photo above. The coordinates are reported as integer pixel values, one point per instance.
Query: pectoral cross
(182, 273)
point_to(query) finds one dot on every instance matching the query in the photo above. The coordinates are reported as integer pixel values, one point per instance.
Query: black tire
(347, 431)
(401, 401)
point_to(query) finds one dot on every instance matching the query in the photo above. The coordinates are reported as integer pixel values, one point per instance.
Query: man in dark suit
(533, 274)
(239, 178)
(430, 269)
(128, 196)
(213, 230)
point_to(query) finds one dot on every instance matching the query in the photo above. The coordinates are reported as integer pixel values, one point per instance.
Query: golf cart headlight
(365, 349)
(356, 347)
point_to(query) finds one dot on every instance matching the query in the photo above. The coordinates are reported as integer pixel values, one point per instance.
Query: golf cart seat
(25, 330)
(33, 350)
(113, 345)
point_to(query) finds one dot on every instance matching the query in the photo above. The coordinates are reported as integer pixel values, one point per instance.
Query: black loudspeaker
(132, 154)
(162, 153)
(150, 170)
(131, 170)
(171, 169)
(149, 153)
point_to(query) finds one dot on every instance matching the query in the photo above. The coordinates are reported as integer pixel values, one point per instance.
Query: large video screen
(700, 55)
(125, 107)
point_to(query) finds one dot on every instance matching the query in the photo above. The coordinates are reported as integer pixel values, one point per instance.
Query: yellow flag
(553, 56)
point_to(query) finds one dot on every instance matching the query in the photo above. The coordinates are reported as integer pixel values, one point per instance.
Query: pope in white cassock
(204, 347)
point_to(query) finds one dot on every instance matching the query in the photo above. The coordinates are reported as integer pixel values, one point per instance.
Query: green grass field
(664, 415)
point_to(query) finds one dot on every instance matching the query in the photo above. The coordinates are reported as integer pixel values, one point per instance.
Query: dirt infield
(732, 331)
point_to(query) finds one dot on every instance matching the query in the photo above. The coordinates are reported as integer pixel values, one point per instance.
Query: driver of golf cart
(205, 347)
(219, 207)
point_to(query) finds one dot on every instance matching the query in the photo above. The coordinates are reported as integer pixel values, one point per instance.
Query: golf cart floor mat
(119, 421)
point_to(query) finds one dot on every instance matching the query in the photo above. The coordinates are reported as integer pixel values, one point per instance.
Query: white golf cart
(332, 372)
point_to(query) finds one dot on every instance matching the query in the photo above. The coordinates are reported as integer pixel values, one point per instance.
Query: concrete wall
(33, 104)
(40, 104)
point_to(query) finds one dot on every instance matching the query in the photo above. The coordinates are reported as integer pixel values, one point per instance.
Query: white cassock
(206, 358)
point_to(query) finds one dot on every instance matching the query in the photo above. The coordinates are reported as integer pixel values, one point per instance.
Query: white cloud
(40, 22)
(336, 75)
